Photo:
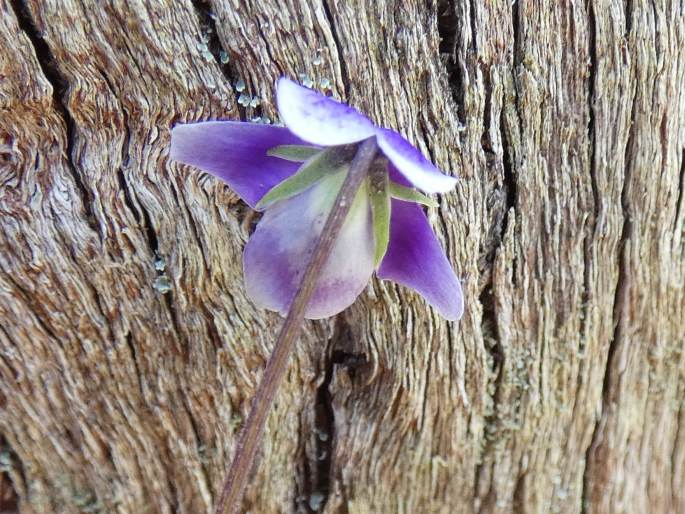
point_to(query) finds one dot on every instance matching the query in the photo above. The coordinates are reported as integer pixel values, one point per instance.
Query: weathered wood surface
(561, 390)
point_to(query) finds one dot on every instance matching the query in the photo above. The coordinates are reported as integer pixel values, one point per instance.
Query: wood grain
(561, 390)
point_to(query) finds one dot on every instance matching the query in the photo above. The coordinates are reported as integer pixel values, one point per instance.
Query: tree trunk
(561, 390)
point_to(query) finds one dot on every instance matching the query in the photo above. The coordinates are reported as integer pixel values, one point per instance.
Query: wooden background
(561, 390)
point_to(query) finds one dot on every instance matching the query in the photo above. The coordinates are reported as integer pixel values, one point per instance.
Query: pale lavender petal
(412, 164)
(415, 259)
(280, 247)
(318, 119)
(235, 152)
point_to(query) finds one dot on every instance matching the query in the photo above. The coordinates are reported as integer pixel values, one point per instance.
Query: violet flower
(293, 173)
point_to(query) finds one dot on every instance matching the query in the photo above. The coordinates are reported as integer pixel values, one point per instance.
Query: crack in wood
(509, 184)
(319, 473)
(448, 26)
(207, 22)
(591, 231)
(59, 85)
(11, 471)
(621, 302)
(516, 33)
(324, 423)
(674, 452)
(344, 73)
(680, 202)
(509, 191)
(128, 200)
(513, 159)
(472, 20)
(134, 358)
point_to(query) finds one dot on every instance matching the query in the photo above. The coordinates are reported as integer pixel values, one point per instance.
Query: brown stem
(251, 434)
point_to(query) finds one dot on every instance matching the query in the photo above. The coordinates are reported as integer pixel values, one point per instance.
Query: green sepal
(410, 195)
(324, 162)
(294, 153)
(380, 210)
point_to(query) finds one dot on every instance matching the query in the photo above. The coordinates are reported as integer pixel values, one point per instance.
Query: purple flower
(293, 173)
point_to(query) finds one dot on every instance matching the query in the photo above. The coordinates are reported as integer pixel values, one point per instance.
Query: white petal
(412, 164)
(319, 119)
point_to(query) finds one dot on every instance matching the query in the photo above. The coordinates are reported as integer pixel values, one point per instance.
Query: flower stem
(251, 434)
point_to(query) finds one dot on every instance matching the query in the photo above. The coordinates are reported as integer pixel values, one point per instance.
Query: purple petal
(318, 119)
(235, 152)
(415, 259)
(279, 249)
(412, 164)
